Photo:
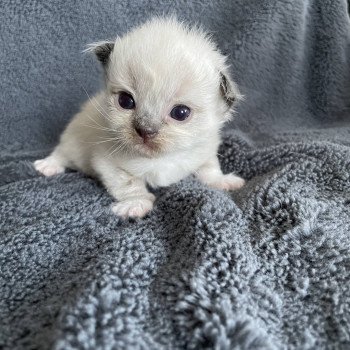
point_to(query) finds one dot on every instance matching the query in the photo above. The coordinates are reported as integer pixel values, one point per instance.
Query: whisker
(107, 139)
(98, 128)
(220, 155)
(183, 132)
(99, 104)
(121, 146)
(103, 112)
(196, 172)
(101, 126)
(97, 142)
(109, 149)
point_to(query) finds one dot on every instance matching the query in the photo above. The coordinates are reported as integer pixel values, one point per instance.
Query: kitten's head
(167, 87)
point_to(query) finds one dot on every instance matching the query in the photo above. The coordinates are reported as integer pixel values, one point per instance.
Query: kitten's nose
(146, 133)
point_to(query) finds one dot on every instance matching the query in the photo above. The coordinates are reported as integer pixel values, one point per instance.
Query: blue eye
(126, 101)
(180, 112)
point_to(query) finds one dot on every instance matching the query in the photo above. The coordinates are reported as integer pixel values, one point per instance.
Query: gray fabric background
(267, 267)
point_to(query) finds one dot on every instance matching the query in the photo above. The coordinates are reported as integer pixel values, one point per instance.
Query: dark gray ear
(102, 50)
(229, 89)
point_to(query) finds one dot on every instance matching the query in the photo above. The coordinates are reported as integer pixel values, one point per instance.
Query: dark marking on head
(227, 89)
(103, 52)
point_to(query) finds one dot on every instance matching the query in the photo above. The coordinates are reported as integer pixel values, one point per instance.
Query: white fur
(162, 63)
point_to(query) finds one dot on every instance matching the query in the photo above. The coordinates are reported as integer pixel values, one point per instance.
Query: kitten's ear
(102, 50)
(229, 89)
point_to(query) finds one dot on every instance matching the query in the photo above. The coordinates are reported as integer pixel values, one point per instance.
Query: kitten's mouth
(149, 146)
(146, 146)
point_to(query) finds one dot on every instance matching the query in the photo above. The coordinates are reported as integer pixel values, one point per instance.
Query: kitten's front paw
(133, 208)
(228, 182)
(48, 166)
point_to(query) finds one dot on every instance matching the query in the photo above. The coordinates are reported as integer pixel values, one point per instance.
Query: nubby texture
(266, 267)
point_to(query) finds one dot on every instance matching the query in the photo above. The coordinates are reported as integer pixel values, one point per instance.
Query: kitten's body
(101, 139)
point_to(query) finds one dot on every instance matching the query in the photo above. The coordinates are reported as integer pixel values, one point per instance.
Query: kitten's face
(157, 109)
(163, 89)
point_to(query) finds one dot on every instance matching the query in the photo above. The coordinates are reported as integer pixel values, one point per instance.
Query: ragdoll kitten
(167, 95)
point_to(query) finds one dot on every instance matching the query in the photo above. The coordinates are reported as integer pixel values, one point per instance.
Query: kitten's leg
(211, 174)
(134, 200)
(52, 165)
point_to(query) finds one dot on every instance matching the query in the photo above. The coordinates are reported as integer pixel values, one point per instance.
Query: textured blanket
(266, 267)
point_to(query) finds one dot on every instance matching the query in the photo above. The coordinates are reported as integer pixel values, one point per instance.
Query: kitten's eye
(180, 112)
(126, 101)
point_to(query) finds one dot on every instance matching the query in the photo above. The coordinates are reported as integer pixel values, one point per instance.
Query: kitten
(168, 93)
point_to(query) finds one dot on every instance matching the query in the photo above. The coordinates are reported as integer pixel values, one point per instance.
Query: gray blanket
(266, 267)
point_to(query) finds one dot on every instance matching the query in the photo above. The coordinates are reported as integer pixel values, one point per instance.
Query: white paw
(228, 182)
(48, 166)
(133, 208)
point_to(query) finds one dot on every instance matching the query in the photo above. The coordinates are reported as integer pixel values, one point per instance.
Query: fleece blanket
(266, 267)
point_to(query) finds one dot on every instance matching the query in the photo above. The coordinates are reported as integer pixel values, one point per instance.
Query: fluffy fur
(161, 64)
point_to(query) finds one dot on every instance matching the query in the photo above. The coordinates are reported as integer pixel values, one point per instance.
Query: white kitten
(158, 120)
